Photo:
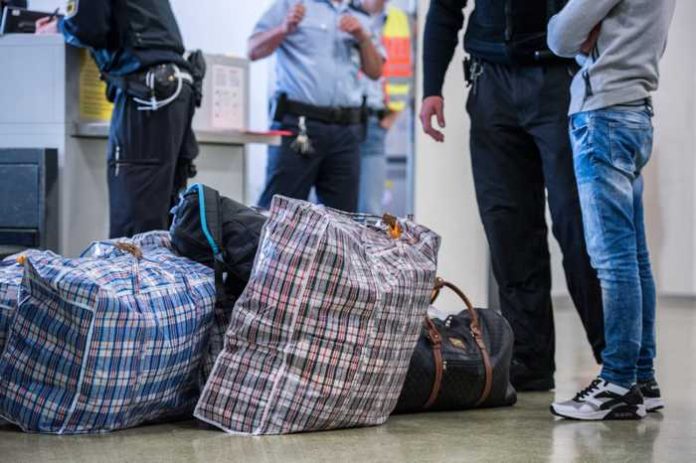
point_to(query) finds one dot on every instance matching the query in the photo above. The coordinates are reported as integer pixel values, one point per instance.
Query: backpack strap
(211, 224)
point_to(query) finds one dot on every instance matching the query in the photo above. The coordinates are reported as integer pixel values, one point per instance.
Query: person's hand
(47, 25)
(294, 18)
(589, 44)
(389, 120)
(433, 106)
(351, 25)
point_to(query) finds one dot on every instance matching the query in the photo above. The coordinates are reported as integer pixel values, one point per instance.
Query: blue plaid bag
(99, 344)
(162, 239)
(11, 272)
(144, 241)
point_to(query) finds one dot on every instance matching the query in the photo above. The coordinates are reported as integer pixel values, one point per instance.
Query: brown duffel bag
(460, 363)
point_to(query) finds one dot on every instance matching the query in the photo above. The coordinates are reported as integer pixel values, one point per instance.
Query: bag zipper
(117, 159)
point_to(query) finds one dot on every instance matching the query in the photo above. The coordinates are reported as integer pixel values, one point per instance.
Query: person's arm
(445, 19)
(442, 25)
(270, 33)
(371, 60)
(88, 24)
(576, 27)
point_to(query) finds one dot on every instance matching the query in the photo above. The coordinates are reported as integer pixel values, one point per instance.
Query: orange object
(395, 230)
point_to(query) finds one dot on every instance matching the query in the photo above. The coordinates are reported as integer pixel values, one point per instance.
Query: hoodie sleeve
(570, 28)
(445, 19)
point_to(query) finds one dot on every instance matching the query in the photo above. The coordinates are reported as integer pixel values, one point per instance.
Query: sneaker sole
(654, 405)
(628, 412)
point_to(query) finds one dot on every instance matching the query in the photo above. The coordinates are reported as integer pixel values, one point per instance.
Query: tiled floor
(526, 433)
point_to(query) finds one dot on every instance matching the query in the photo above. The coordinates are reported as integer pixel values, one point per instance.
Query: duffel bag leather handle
(476, 332)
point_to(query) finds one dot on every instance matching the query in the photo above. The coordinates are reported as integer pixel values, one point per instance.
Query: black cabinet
(28, 200)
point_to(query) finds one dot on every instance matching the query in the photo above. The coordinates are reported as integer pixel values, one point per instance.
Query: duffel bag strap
(476, 332)
(436, 340)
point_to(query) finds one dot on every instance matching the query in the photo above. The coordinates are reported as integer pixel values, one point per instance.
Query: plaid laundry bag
(144, 241)
(104, 344)
(322, 336)
(216, 339)
(223, 307)
(11, 271)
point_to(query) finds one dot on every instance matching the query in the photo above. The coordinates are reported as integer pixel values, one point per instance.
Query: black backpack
(219, 233)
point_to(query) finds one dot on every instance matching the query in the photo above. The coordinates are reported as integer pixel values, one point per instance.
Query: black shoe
(652, 395)
(603, 401)
(524, 379)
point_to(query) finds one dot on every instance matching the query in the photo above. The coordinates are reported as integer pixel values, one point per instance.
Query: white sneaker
(603, 401)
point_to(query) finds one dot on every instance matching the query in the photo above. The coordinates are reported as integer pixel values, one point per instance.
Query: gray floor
(526, 433)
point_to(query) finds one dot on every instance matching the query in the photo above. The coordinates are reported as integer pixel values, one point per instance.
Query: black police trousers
(521, 155)
(332, 168)
(149, 159)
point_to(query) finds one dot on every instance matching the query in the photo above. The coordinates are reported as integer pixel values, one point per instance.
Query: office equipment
(28, 200)
(20, 20)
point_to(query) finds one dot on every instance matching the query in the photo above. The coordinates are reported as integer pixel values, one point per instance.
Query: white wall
(221, 27)
(671, 176)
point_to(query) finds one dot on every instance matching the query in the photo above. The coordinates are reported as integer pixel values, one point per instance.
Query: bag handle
(436, 340)
(137, 253)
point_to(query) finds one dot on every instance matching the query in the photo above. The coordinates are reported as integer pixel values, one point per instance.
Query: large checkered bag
(162, 239)
(322, 336)
(99, 344)
(110, 248)
(11, 271)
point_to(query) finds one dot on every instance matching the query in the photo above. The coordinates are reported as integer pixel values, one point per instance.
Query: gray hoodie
(624, 65)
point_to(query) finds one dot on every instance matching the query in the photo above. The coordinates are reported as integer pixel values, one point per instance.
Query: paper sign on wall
(93, 103)
(228, 97)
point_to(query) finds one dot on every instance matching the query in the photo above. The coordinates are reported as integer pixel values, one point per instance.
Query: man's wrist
(283, 31)
(363, 38)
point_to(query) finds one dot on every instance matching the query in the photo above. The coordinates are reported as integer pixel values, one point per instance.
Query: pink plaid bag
(323, 334)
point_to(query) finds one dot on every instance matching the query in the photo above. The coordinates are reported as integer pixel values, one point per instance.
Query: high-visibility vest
(398, 69)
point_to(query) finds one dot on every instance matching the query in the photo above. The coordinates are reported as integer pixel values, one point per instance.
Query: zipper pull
(117, 159)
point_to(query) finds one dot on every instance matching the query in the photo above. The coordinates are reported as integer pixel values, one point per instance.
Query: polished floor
(525, 433)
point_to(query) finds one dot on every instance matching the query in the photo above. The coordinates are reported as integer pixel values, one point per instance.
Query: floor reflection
(525, 433)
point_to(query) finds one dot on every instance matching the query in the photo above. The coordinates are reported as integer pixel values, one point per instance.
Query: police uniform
(139, 51)
(317, 72)
(521, 161)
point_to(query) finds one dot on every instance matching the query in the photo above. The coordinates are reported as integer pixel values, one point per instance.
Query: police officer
(321, 47)
(139, 51)
(520, 150)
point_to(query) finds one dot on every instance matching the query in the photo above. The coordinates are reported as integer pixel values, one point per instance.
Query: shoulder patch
(71, 9)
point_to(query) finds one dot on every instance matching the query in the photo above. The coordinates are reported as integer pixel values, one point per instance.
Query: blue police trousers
(332, 168)
(148, 157)
(522, 160)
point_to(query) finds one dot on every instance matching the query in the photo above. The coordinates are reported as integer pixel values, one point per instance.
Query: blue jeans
(373, 169)
(611, 148)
